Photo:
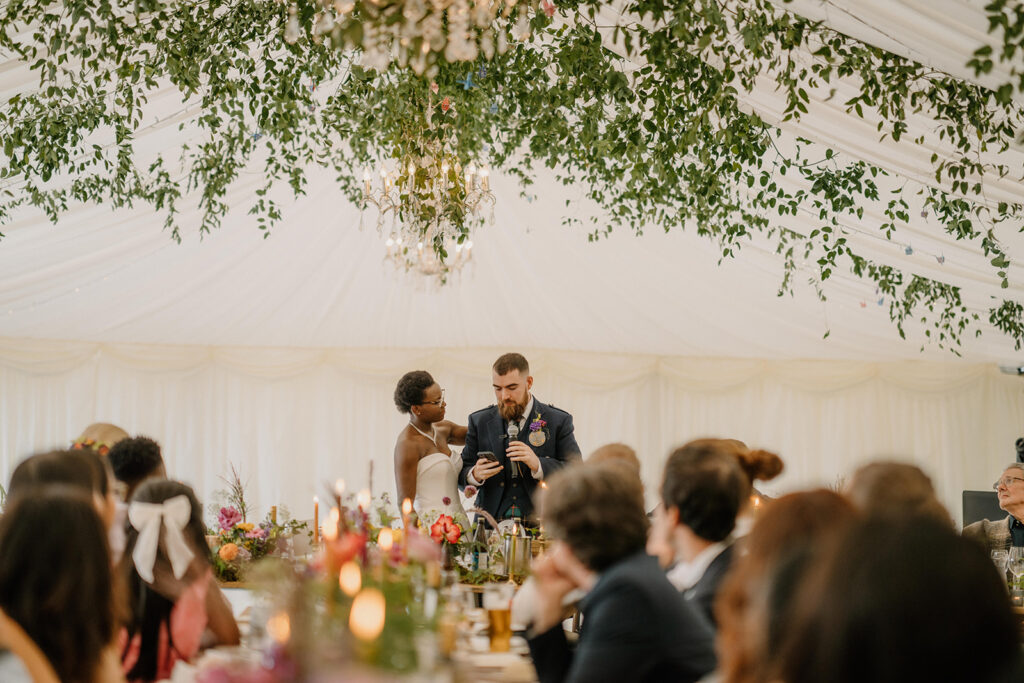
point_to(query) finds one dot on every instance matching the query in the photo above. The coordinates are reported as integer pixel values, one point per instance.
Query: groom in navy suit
(530, 440)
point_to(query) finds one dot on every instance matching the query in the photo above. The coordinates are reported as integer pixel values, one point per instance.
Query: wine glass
(1015, 565)
(1000, 558)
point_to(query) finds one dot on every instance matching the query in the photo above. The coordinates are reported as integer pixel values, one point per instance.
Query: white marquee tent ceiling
(320, 281)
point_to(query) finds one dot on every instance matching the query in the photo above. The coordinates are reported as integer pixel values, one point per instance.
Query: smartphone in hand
(487, 455)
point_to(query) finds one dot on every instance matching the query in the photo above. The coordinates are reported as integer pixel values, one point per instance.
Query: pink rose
(470, 491)
(228, 517)
(446, 104)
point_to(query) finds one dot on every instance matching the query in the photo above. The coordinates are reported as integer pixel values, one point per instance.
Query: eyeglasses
(1006, 481)
(435, 403)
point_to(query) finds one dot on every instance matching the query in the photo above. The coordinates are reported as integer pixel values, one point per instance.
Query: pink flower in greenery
(434, 89)
(228, 517)
(256, 533)
(446, 104)
(549, 8)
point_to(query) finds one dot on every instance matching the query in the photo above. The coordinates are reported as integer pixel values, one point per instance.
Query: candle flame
(363, 498)
(386, 539)
(366, 620)
(279, 627)
(330, 531)
(350, 579)
(406, 506)
(339, 487)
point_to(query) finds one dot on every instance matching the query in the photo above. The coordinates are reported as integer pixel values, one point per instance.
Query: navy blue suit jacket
(636, 628)
(487, 432)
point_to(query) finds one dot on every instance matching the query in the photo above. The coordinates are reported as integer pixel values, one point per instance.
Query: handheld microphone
(513, 435)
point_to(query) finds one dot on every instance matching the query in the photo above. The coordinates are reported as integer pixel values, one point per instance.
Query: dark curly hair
(597, 511)
(410, 389)
(707, 486)
(135, 459)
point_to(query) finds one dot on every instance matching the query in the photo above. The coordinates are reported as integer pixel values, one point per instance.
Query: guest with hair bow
(173, 597)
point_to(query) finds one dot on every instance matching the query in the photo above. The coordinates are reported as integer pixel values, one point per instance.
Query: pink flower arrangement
(258, 532)
(228, 518)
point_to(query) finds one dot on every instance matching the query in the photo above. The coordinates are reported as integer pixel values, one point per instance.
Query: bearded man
(528, 439)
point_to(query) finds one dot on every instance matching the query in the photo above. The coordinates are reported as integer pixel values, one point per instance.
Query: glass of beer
(498, 603)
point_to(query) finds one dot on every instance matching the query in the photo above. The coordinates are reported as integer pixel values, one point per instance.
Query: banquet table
(471, 661)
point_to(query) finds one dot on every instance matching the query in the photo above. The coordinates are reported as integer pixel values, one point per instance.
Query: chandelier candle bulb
(485, 179)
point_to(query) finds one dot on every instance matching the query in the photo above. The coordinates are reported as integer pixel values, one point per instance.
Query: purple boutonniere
(537, 424)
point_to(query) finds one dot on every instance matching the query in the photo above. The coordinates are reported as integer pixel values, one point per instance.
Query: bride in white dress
(426, 469)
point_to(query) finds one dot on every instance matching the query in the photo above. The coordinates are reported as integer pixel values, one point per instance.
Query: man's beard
(513, 412)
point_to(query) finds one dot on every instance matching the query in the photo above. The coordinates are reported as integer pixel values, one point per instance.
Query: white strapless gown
(437, 481)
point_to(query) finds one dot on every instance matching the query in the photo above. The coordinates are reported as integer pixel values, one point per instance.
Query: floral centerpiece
(237, 543)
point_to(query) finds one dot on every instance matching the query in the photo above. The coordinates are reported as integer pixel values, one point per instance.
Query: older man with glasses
(1002, 534)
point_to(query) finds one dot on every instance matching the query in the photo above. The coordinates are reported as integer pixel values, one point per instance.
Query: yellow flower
(245, 526)
(228, 552)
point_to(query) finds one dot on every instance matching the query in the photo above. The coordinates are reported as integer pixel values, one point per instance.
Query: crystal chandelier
(434, 203)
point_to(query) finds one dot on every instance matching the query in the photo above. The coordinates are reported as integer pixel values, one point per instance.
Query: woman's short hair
(707, 486)
(895, 489)
(81, 468)
(55, 577)
(597, 511)
(411, 388)
(900, 600)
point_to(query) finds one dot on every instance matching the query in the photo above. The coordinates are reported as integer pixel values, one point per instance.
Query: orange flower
(228, 552)
(445, 529)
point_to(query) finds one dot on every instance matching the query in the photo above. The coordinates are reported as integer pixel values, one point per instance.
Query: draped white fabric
(280, 355)
(294, 420)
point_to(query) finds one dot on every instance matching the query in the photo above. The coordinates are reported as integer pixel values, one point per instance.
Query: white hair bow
(174, 514)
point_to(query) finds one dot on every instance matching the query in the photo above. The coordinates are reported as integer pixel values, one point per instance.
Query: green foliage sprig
(649, 113)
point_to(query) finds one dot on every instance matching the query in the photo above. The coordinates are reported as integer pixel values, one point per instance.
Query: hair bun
(760, 465)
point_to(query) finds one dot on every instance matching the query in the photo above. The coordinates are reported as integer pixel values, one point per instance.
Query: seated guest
(616, 452)
(701, 492)
(81, 469)
(895, 601)
(173, 597)
(1001, 534)
(753, 602)
(133, 461)
(637, 627)
(56, 584)
(895, 490)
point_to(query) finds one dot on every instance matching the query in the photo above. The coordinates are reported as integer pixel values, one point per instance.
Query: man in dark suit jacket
(636, 626)
(701, 493)
(530, 440)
